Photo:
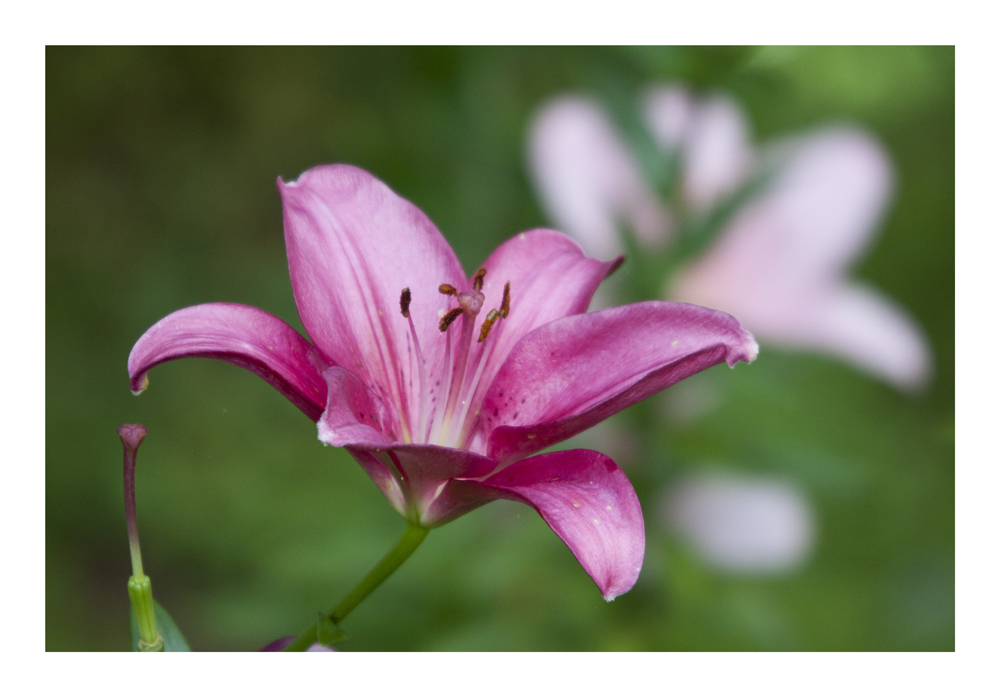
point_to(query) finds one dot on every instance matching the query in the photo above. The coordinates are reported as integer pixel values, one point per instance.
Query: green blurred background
(160, 172)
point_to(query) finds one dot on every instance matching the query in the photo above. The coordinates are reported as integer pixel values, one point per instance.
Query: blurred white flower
(780, 263)
(742, 524)
(712, 136)
(588, 179)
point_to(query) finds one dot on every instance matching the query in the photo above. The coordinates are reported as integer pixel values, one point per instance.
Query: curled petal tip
(745, 350)
(615, 264)
(590, 504)
(612, 592)
(242, 335)
(139, 384)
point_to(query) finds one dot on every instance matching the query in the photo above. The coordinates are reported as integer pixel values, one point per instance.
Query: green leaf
(173, 640)
(329, 632)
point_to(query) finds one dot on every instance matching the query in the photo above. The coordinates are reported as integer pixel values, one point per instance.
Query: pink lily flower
(781, 263)
(444, 387)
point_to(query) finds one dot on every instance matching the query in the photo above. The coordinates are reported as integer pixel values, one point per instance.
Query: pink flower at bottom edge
(280, 644)
(444, 387)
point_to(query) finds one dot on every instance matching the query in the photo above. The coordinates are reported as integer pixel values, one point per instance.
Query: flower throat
(434, 425)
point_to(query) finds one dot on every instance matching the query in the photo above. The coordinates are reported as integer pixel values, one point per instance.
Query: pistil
(456, 368)
(492, 318)
(470, 303)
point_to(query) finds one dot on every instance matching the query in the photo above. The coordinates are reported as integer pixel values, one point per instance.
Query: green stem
(407, 544)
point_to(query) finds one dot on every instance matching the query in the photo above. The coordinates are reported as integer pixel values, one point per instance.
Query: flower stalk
(407, 544)
(140, 589)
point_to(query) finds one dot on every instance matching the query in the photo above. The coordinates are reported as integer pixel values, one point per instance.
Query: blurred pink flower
(781, 262)
(447, 418)
(742, 524)
(588, 179)
(711, 136)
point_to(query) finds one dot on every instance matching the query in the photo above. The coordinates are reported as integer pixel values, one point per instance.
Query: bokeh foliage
(160, 170)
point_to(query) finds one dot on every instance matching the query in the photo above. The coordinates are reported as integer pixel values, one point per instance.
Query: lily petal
(353, 414)
(864, 326)
(570, 374)
(717, 152)
(588, 177)
(550, 278)
(669, 112)
(587, 501)
(244, 336)
(353, 419)
(815, 219)
(414, 478)
(353, 245)
(712, 135)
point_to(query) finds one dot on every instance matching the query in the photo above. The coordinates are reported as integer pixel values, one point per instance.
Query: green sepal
(140, 593)
(329, 632)
(173, 640)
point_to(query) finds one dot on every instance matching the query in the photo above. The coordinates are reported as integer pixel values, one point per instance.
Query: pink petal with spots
(570, 374)
(586, 500)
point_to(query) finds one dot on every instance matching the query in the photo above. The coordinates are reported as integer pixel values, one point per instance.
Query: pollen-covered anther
(484, 331)
(446, 321)
(477, 280)
(505, 303)
(447, 289)
(404, 302)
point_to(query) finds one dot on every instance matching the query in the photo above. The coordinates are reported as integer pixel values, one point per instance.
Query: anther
(404, 302)
(477, 280)
(505, 304)
(447, 289)
(449, 318)
(491, 317)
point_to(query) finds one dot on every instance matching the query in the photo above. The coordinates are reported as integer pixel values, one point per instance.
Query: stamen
(449, 318)
(404, 302)
(447, 289)
(422, 408)
(441, 395)
(484, 331)
(477, 280)
(505, 305)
